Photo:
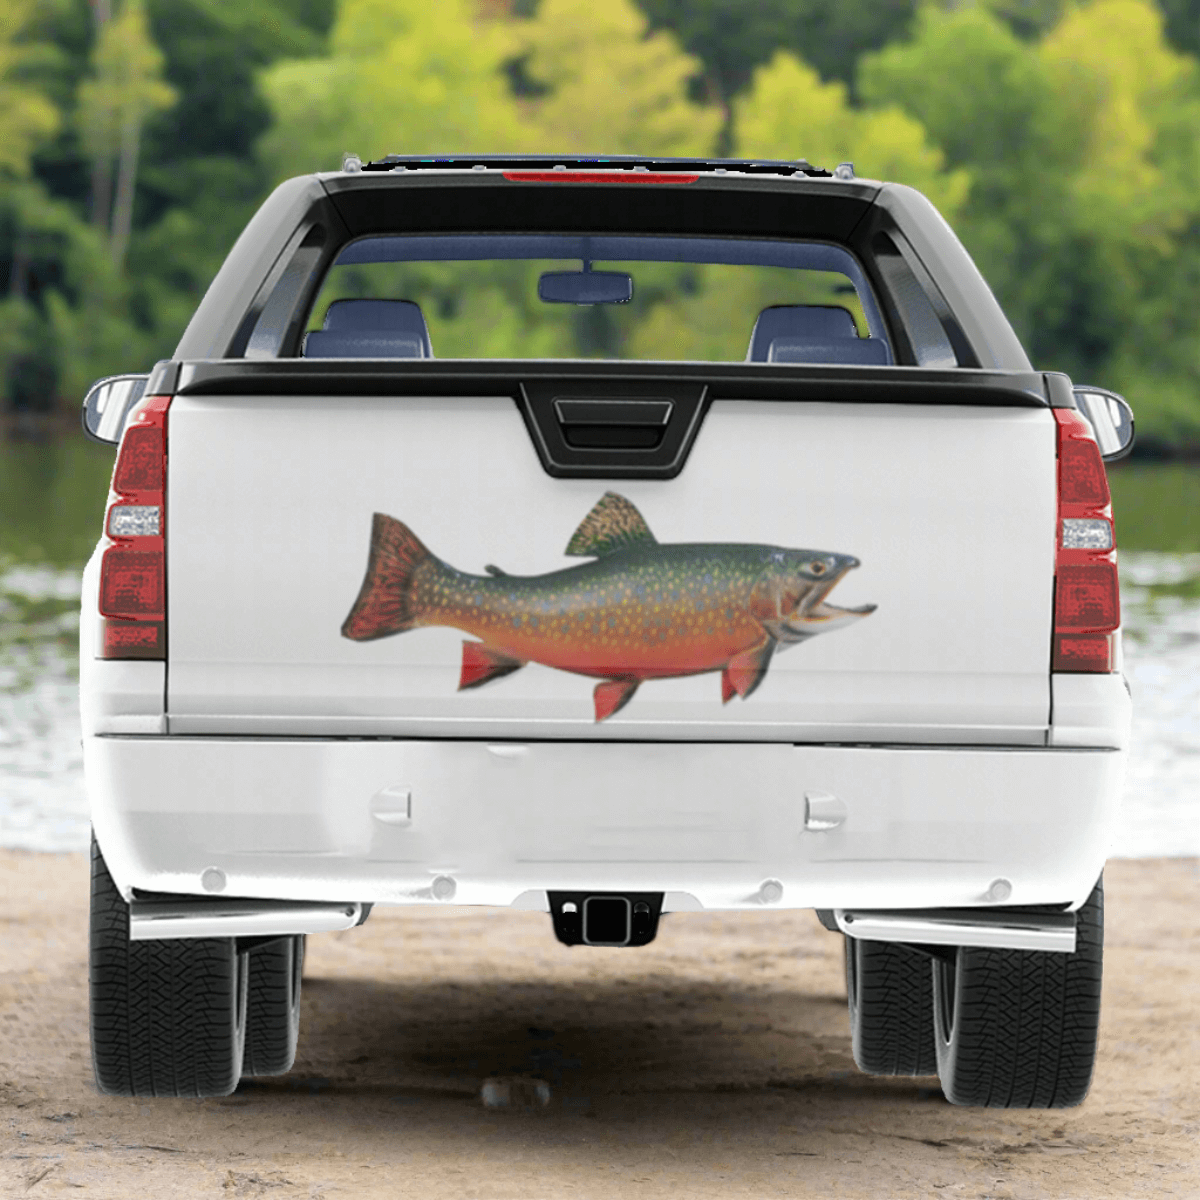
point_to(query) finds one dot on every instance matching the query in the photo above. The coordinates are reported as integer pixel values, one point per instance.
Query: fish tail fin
(481, 664)
(385, 600)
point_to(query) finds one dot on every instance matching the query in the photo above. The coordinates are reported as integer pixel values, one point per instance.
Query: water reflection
(1160, 597)
(43, 805)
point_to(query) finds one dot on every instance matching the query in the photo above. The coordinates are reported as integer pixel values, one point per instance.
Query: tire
(1017, 1028)
(273, 1006)
(890, 992)
(167, 1017)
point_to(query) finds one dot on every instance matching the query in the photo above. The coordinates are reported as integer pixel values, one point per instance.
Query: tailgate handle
(612, 412)
(598, 423)
(624, 427)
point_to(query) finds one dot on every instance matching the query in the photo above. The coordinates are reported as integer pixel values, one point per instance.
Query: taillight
(1087, 606)
(133, 571)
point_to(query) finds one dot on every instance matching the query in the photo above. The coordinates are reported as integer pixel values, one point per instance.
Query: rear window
(517, 296)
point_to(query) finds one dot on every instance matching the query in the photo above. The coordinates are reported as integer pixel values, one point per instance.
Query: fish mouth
(813, 615)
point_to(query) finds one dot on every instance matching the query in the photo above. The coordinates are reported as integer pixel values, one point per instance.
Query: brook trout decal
(641, 611)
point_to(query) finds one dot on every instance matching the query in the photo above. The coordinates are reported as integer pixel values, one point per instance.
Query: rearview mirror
(107, 404)
(585, 287)
(1110, 417)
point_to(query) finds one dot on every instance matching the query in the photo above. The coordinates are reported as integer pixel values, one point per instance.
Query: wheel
(890, 990)
(273, 1006)
(168, 1018)
(1017, 1028)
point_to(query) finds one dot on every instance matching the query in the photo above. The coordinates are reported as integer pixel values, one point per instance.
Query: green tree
(125, 89)
(612, 87)
(1082, 155)
(402, 76)
(1182, 24)
(27, 117)
(789, 113)
(732, 37)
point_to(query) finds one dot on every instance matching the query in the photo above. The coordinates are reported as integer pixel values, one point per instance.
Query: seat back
(813, 333)
(370, 329)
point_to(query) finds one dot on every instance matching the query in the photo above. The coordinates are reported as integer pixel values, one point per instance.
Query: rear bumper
(381, 820)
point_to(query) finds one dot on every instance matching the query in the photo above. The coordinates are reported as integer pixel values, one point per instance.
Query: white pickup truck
(806, 598)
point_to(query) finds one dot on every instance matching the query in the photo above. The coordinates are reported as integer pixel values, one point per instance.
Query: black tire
(1017, 1028)
(167, 1017)
(890, 992)
(273, 1006)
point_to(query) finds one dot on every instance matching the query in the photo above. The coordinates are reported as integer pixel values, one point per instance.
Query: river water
(43, 805)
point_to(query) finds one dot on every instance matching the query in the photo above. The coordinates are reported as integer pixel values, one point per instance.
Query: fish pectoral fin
(492, 569)
(481, 664)
(745, 671)
(612, 695)
(612, 525)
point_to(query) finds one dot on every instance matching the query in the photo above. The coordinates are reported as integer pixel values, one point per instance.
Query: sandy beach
(715, 1062)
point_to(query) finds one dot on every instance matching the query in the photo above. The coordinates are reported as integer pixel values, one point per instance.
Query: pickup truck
(759, 570)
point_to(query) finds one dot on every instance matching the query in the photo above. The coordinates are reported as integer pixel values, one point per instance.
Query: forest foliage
(1061, 138)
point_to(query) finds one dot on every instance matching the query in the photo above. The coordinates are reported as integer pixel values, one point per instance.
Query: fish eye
(817, 568)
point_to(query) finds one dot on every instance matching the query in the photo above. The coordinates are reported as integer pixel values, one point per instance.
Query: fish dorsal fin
(614, 524)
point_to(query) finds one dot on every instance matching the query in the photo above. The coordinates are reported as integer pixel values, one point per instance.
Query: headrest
(801, 323)
(370, 329)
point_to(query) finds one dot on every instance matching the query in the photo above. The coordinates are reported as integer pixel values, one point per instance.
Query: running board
(963, 927)
(153, 920)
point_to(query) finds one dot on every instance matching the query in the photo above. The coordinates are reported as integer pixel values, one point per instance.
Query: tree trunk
(122, 215)
(101, 170)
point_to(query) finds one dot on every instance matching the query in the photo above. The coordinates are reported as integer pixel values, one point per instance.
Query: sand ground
(714, 1063)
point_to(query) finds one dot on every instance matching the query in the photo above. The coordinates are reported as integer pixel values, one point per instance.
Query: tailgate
(691, 608)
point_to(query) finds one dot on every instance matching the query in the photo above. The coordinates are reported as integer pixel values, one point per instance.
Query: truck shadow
(608, 1037)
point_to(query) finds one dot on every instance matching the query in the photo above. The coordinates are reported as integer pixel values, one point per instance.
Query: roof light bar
(618, 162)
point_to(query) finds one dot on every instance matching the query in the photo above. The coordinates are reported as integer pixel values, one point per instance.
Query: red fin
(745, 671)
(384, 603)
(481, 664)
(612, 695)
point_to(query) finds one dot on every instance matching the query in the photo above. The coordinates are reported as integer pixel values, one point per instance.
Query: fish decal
(642, 610)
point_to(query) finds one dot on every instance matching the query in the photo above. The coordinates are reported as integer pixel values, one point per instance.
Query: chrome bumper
(965, 927)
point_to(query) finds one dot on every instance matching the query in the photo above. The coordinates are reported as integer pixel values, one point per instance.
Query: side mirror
(107, 405)
(1110, 417)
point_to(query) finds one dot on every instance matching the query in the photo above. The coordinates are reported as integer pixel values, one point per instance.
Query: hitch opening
(605, 919)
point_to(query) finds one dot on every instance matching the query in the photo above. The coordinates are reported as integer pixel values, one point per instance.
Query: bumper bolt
(1000, 891)
(213, 879)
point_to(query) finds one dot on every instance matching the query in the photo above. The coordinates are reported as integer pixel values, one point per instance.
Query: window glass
(693, 298)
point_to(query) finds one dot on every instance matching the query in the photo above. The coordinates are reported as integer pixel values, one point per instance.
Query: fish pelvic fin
(481, 664)
(744, 672)
(385, 600)
(612, 525)
(612, 695)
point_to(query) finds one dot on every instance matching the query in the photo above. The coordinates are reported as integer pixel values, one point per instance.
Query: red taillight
(1081, 477)
(133, 574)
(1087, 608)
(1086, 596)
(140, 462)
(133, 583)
(614, 176)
